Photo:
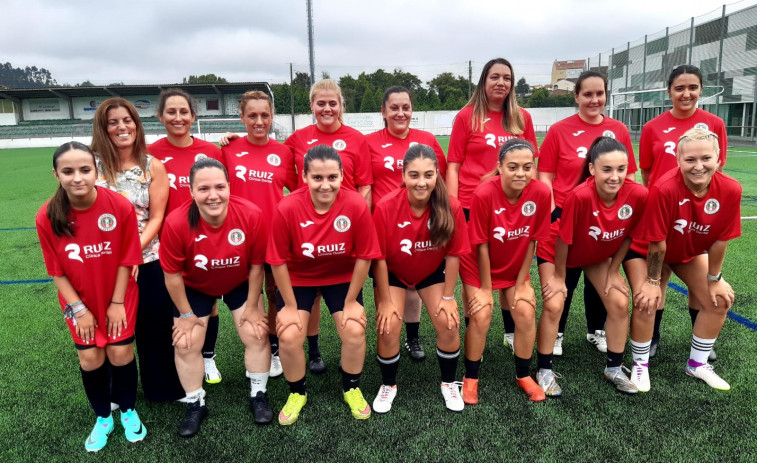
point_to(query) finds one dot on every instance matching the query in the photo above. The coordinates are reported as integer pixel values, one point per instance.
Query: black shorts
(122, 342)
(466, 213)
(435, 278)
(556, 214)
(333, 295)
(631, 254)
(202, 303)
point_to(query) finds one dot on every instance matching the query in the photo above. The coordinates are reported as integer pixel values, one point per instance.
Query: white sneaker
(276, 368)
(640, 376)
(509, 341)
(212, 375)
(114, 406)
(557, 350)
(599, 339)
(383, 401)
(452, 397)
(708, 375)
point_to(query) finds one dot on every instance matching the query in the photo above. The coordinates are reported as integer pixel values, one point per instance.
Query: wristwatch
(717, 277)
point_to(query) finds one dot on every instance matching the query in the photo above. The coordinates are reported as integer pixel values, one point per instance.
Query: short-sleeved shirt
(321, 249)
(214, 260)
(349, 143)
(178, 161)
(659, 140)
(507, 228)
(477, 152)
(566, 146)
(387, 154)
(405, 240)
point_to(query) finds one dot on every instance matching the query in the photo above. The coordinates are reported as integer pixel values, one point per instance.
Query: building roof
(130, 90)
(569, 64)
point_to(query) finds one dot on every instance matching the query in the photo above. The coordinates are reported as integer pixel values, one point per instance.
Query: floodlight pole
(310, 42)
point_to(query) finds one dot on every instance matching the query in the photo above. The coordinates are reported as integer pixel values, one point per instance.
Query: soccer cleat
(383, 401)
(195, 414)
(599, 339)
(452, 397)
(291, 411)
(212, 375)
(620, 380)
(547, 380)
(415, 349)
(557, 350)
(653, 347)
(99, 435)
(640, 376)
(509, 341)
(358, 406)
(708, 375)
(134, 430)
(276, 368)
(316, 365)
(532, 390)
(261, 411)
(470, 391)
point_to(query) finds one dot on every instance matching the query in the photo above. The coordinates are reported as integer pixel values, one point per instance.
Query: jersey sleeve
(171, 251)
(656, 225)
(363, 171)
(478, 226)
(626, 140)
(291, 170)
(366, 242)
(380, 225)
(541, 233)
(216, 153)
(279, 242)
(259, 239)
(646, 156)
(131, 249)
(641, 196)
(549, 152)
(733, 230)
(458, 138)
(459, 245)
(568, 219)
(528, 131)
(46, 237)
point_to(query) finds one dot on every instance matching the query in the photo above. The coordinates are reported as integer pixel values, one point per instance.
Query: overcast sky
(155, 42)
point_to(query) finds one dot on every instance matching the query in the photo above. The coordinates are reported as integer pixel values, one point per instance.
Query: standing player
(178, 151)
(214, 246)
(422, 234)
(561, 163)
(509, 213)
(324, 243)
(657, 147)
(388, 148)
(90, 241)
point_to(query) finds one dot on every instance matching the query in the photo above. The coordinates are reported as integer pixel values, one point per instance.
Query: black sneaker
(415, 349)
(261, 411)
(316, 365)
(196, 413)
(653, 347)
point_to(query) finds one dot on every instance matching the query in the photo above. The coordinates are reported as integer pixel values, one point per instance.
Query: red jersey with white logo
(105, 238)
(690, 225)
(259, 173)
(478, 152)
(321, 249)
(214, 260)
(594, 231)
(349, 143)
(507, 228)
(566, 146)
(177, 162)
(405, 240)
(387, 154)
(659, 140)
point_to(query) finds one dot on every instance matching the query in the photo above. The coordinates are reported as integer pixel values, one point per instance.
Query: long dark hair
(105, 148)
(59, 206)
(205, 163)
(512, 118)
(442, 220)
(600, 146)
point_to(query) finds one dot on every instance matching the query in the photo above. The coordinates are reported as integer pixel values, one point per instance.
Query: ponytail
(600, 145)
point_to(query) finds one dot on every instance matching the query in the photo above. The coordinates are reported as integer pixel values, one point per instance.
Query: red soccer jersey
(356, 160)
(321, 249)
(405, 240)
(507, 228)
(259, 173)
(594, 231)
(105, 238)
(177, 162)
(387, 154)
(564, 150)
(659, 140)
(214, 260)
(478, 152)
(690, 225)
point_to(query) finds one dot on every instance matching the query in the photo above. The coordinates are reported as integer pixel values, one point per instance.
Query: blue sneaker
(134, 430)
(99, 435)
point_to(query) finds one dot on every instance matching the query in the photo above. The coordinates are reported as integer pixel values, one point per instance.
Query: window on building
(212, 105)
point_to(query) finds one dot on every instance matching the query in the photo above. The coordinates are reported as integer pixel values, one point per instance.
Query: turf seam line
(16, 229)
(735, 317)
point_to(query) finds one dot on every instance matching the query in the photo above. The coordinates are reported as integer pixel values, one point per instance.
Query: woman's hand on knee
(721, 290)
(287, 317)
(481, 299)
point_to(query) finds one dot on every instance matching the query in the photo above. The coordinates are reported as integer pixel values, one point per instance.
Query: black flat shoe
(196, 413)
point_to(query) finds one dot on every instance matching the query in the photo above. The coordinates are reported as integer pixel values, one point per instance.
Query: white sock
(700, 349)
(640, 351)
(194, 396)
(258, 382)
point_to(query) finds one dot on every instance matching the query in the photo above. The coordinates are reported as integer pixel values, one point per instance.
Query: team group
(214, 224)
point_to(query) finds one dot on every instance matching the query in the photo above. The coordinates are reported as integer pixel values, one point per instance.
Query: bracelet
(448, 298)
(72, 309)
(653, 282)
(186, 315)
(119, 303)
(717, 277)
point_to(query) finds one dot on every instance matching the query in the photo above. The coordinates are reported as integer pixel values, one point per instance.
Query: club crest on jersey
(701, 125)
(199, 156)
(236, 237)
(711, 206)
(625, 212)
(339, 145)
(106, 222)
(609, 134)
(342, 223)
(274, 159)
(528, 209)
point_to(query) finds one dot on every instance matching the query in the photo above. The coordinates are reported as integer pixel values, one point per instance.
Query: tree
(539, 98)
(86, 83)
(447, 86)
(28, 77)
(370, 103)
(522, 88)
(204, 79)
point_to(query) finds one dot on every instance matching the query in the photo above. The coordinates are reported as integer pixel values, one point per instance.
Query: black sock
(522, 367)
(508, 322)
(297, 386)
(657, 321)
(594, 309)
(96, 386)
(313, 349)
(467, 320)
(274, 340)
(447, 364)
(693, 314)
(614, 359)
(125, 385)
(389, 367)
(544, 361)
(350, 381)
(412, 329)
(471, 368)
(211, 336)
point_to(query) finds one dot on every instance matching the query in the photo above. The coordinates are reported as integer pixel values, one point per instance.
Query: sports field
(44, 414)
